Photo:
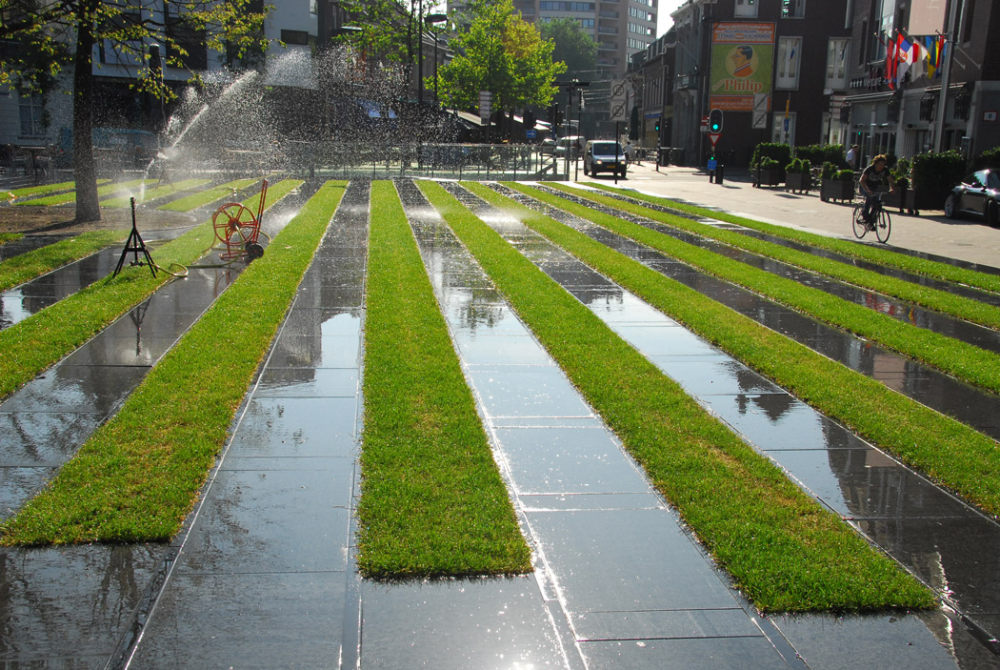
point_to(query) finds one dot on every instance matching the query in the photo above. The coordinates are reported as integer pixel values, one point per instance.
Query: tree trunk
(88, 207)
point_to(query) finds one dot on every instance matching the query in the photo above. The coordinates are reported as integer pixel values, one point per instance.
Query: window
(793, 9)
(31, 110)
(746, 8)
(789, 57)
(836, 63)
(294, 36)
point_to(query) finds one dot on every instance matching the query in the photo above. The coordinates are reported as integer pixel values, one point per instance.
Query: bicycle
(878, 220)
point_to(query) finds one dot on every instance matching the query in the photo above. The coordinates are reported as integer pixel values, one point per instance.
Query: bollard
(719, 173)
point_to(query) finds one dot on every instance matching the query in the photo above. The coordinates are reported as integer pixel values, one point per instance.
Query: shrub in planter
(768, 172)
(780, 153)
(838, 186)
(933, 176)
(817, 154)
(988, 159)
(797, 175)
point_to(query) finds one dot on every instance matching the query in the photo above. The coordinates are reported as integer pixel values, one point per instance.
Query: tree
(501, 53)
(574, 46)
(64, 33)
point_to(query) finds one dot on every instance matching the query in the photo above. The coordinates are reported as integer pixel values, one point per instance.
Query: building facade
(918, 104)
(774, 68)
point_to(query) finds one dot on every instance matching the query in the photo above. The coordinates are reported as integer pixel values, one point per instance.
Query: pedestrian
(874, 181)
(628, 151)
(852, 156)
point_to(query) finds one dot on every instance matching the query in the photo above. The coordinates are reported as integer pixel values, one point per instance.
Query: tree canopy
(573, 46)
(503, 54)
(45, 38)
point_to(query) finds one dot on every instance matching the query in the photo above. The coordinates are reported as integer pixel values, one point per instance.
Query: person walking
(852, 156)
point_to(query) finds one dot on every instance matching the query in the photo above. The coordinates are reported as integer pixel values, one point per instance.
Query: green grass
(880, 255)
(43, 189)
(432, 501)
(110, 190)
(138, 476)
(43, 338)
(10, 237)
(948, 451)
(207, 196)
(942, 301)
(152, 193)
(21, 268)
(780, 547)
(965, 361)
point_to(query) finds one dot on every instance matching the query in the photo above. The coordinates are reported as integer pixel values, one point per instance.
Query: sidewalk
(966, 239)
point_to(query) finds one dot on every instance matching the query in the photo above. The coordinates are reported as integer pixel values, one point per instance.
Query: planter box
(768, 177)
(798, 182)
(835, 189)
(905, 200)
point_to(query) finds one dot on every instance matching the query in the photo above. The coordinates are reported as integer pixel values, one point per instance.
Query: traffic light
(657, 128)
(715, 121)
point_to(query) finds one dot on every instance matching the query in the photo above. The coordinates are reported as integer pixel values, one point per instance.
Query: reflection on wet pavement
(264, 576)
(950, 287)
(970, 405)
(632, 585)
(960, 329)
(949, 545)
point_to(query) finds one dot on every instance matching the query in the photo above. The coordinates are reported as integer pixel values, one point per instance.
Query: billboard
(742, 65)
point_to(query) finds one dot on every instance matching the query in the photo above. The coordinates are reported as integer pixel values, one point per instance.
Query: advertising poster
(742, 65)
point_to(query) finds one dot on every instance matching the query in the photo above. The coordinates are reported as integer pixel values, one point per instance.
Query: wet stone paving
(263, 574)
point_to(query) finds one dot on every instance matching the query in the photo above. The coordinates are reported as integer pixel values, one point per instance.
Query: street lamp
(430, 20)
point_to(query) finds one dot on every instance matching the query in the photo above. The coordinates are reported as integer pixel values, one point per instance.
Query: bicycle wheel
(860, 228)
(883, 227)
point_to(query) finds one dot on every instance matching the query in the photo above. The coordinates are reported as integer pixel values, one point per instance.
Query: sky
(663, 20)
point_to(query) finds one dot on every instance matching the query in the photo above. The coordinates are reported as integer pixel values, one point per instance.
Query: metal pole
(437, 104)
(420, 53)
(951, 37)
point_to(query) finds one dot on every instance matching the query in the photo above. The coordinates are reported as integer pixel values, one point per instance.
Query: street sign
(531, 133)
(759, 114)
(485, 105)
(619, 100)
(715, 138)
(704, 124)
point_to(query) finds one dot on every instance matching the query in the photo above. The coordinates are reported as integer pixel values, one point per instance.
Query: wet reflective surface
(264, 577)
(967, 291)
(948, 544)
(972, 406)
(26, 244)
(899, 310)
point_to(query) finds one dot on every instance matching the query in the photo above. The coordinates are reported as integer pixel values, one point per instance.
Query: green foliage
(844, 175)
(781, 153)
(503, 54)
(900, 173)
(935, 174)
(767, 163)
(829, 170)
(573, 46)
(817, 154)
(988, 159)
(799, 166)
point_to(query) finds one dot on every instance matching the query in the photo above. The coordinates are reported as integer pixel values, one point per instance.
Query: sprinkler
(238, 228)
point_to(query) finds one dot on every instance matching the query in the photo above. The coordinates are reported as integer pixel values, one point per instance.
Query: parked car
(604, 156)
(979, 194)
(571, 144)
(547, 146)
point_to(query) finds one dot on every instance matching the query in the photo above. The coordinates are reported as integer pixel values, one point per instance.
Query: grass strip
(42, 189)
(965, 361)
(784, 550)
(942, 301)
(146, 194)
(874, 254)
(110, 190)
(139, 474)
(432, 499)
(950, 452)
(10, 237)
(34, 344)
(208, 196)
(19, 269)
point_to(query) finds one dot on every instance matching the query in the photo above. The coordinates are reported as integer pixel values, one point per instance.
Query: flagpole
(950, 39)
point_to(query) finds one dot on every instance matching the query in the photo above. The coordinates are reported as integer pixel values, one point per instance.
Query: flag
(919, 67)
(890, 63)
(905, 56)
(934, 45)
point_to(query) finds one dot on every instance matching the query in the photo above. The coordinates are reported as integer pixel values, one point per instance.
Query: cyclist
(874, 180)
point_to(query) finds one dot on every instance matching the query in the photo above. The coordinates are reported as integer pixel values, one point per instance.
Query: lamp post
(431, 20)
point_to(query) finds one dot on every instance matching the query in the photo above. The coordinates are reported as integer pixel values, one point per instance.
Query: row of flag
(920, 56)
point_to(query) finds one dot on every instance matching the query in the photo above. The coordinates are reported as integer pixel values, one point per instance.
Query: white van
(604, 156)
